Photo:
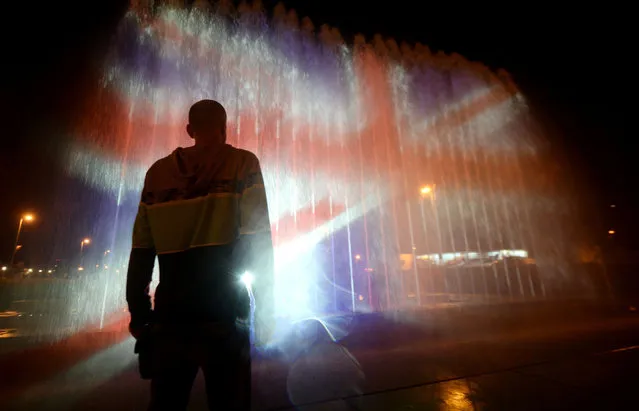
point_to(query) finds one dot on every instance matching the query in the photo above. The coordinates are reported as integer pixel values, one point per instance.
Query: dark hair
(207, 116)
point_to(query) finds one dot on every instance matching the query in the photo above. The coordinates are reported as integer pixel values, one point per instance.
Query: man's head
(207, 122)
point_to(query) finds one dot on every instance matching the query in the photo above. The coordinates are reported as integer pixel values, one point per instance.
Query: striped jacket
(204, 214)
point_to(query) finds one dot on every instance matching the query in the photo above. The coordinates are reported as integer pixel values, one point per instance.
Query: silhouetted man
(204, 214)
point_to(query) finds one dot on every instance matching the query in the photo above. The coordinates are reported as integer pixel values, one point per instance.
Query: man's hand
(143, 348)
(138, 283)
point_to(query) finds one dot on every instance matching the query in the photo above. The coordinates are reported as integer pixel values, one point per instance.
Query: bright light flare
(247, 279)
(28, 218)
(86, 241)
(299, 271)
(426, 190)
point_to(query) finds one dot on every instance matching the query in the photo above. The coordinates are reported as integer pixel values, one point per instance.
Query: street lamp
(26, 218)
(85, 241)
(427, 190)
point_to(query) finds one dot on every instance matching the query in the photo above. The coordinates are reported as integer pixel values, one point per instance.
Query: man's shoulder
(161, 168)
(246, 160)
(159, 164)
(245, 155)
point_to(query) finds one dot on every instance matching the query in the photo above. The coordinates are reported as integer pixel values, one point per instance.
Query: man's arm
(256, 246)
(140, 273)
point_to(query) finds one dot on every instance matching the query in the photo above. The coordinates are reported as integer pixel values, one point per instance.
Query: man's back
(196, 205)
(203, 213)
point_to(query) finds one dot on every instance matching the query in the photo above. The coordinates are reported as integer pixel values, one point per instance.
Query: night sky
(572, 64)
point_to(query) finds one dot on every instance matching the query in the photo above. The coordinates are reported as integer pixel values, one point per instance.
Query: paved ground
(526, 357)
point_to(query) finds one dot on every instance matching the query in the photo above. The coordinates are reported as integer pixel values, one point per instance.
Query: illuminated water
(370, 151)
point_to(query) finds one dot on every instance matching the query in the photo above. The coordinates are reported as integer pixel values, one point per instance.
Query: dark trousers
(223, 354)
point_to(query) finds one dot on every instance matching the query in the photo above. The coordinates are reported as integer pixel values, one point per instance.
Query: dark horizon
(575, 91)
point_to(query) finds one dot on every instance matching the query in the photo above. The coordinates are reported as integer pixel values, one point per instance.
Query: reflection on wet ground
(444, 361)
(608, 384)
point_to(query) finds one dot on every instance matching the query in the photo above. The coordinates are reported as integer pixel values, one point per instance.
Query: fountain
(382, 161)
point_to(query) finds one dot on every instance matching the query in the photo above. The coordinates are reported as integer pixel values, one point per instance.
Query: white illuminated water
(347, 136)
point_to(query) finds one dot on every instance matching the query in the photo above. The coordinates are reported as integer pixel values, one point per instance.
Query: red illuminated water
(347, 137)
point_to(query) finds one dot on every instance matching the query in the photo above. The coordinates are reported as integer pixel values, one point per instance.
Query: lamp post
(425, 191)
(84, 242)
(428, 193)
(26, 218)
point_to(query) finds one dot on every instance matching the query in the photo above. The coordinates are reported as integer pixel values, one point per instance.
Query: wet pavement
(444, 361)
